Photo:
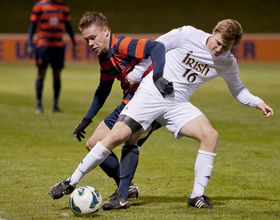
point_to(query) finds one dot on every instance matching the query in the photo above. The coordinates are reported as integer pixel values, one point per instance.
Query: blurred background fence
(149, 19)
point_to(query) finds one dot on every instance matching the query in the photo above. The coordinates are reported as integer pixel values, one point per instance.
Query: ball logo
(85, 201)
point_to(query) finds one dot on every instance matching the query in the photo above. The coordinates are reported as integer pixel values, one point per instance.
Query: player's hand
(164, 86)
(267, 111)
(30, 51)
(80, 128)
(130, 81)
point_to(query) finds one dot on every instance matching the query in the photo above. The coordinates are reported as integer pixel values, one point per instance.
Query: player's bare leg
(99, 134)
(119, 134)
(102, 131)
(128, 165)
(201, 130)
(111, 165)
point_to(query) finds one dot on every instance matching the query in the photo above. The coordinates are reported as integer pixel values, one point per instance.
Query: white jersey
(189, 63)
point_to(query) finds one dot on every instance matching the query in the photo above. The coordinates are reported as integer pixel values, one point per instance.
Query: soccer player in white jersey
(192, 58)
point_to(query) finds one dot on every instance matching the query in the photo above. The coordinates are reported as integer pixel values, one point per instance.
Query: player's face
(97, 38)
(218, 46)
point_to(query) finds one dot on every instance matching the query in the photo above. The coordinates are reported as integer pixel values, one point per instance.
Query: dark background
(155, 16)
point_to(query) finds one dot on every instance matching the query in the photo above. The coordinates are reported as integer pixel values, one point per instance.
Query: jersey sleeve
(66, 14)
(100, 96)
(170, 40)
(35, 13)
(133, 48)
(237, 88)
(142, 49)
(31, 32)
(173, 38)
(156, 50)
(33, 23)
(139, 70)
(70, 31)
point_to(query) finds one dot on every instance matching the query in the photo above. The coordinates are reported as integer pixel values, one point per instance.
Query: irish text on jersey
(201, 68)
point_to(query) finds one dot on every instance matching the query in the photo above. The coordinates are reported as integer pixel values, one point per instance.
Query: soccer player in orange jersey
(117, 55)
(50, 17)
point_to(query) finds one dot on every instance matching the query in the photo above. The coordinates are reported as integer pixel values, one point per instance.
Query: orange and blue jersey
(123, 54)
(50, 18)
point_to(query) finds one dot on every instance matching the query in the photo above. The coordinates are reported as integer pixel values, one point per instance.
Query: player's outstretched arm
(100, 96)
(267, 111)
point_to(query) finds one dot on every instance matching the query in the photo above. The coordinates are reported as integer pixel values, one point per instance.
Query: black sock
(39, 89)
(111, 167)
(128, 165)
(56, 87)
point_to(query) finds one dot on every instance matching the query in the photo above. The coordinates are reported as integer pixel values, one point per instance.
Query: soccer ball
(85, 201)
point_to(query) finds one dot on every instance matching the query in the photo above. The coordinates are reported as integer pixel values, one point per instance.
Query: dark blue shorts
(53, 55)
(111, 119)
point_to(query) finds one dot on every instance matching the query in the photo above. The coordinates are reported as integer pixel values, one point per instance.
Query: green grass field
(38, 151)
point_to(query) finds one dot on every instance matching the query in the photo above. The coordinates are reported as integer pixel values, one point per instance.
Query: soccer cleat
(200, 202)
(116, 201)
(39, 110)
(60, 189)
(133, 191)
(56, 109)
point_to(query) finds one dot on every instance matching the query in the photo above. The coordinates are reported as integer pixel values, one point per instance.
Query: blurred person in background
(50, 17)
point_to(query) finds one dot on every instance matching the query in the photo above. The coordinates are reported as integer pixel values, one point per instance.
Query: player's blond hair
(230, 30)
(92, 17)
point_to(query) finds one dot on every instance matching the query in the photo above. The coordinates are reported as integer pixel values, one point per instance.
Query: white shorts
(147, 106)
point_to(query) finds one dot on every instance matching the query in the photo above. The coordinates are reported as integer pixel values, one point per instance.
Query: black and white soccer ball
(85, 201)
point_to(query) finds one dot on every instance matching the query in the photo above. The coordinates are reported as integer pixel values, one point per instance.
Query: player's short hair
(92, 17)
(230, 30)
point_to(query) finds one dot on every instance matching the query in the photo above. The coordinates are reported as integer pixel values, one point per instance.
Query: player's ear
(106, 30)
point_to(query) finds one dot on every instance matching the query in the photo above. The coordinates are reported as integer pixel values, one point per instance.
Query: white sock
(95, 157)
(203, 169)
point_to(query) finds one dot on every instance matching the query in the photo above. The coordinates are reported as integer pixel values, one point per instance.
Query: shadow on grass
(216, 200)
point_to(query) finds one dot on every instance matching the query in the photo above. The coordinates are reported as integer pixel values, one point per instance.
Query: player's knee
(119, 134)
(212, 139)
(118, 137)
(56, 74)
(213, 135)
(41, 74)
(88, 145)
